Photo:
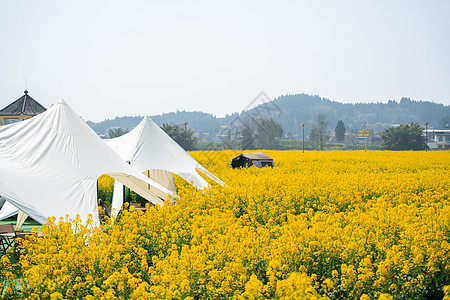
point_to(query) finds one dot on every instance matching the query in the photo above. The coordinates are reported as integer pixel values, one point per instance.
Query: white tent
(151, 151)
(9, 210)
(49, 166)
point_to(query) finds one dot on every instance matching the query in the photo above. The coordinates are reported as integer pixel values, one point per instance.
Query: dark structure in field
(257, 159)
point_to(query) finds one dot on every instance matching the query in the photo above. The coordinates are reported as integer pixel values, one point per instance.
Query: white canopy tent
(151, 151)
(49, 166)
(9, 210)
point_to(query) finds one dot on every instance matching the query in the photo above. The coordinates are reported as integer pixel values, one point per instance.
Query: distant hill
(293, 110)
(199, 122)
(301, 108)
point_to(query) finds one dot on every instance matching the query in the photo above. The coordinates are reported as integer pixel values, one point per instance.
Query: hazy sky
(109, 58)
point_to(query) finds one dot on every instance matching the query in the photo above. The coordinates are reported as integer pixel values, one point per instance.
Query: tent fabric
(162, 177)
(8, 210)
(148, 147)
(117, 199)
(49, 166)
(21, 217)
(151, 151)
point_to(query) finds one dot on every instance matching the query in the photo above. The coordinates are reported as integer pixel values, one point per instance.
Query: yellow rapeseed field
(320, 225)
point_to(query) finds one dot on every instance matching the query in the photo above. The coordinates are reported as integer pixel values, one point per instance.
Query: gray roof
(24, 105)
(256, 155)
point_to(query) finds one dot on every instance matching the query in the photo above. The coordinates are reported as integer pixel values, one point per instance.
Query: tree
(247, 136)
(444, 122)
(268, 132)
(116, 132)
(229, 137)
(184, 137)
(262, 133)
(404, 137)
(318, 135)
(340, 131)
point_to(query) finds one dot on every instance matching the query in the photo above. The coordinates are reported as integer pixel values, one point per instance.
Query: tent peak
(62, 102)
(147, 121)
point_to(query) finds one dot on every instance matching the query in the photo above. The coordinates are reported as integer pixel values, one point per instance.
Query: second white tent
(155, 154)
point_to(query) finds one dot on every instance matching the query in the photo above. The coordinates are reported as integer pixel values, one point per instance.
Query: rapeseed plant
(320, 225)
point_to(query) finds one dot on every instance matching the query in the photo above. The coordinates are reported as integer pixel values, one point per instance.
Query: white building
(438, 139)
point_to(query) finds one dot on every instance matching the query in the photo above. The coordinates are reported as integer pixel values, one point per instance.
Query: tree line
(266, 133)
(302, 108)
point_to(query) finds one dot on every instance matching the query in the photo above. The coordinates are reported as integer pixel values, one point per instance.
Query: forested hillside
(293, 110)
(301, 108)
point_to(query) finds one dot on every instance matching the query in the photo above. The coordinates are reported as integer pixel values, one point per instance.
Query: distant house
(438, 139)
(349, 137)
(257, 159)
(23, 108)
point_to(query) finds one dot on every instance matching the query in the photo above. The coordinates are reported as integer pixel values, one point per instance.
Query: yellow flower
(319, 224)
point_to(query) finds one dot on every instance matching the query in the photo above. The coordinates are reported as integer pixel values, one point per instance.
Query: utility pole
(303, 126)
(426, 136)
